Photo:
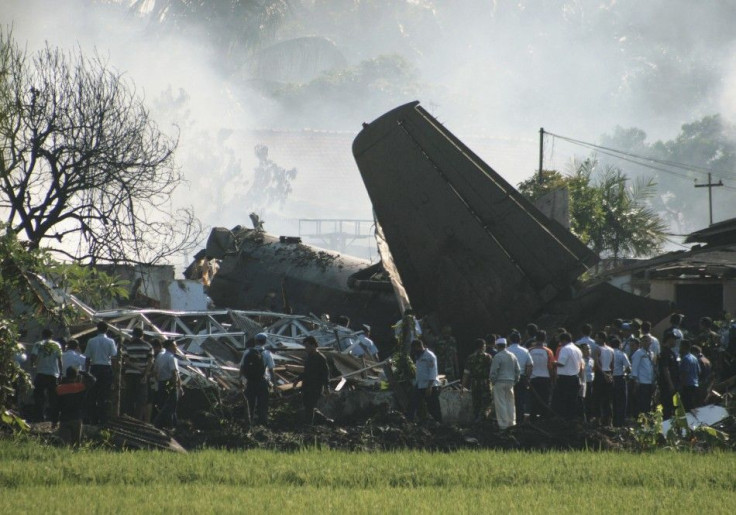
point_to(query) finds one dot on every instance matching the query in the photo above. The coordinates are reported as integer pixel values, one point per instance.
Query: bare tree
(83, 168)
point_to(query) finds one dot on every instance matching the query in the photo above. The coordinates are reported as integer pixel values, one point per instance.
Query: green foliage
(11, 374)
(648, 431)
(552, 180)
(680, 436)
(92, 286)
(607, 213)
(13, 422)
(22, 298)
(402, 366)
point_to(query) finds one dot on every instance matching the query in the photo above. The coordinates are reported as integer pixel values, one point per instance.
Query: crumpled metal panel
(468, 246)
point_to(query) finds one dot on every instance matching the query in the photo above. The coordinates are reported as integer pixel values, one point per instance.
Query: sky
(492, 70)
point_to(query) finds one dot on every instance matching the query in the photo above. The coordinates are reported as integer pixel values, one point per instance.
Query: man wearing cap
(505, 373)
(675, 321)
(256, 367)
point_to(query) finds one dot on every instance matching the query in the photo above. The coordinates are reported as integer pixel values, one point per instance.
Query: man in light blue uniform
(100, 351)
(426, 385)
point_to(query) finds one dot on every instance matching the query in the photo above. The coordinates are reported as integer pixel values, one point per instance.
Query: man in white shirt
(543, 370)
(521, 389)
(569, 377)
(604, 381)
(99, 352)
(363, 345)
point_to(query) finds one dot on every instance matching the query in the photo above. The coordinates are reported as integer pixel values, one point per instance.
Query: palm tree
(632, 228)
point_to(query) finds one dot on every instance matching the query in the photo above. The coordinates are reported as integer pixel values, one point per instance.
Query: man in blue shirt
(426, 385)
(689, 372)
(100, 351)
(642, 374)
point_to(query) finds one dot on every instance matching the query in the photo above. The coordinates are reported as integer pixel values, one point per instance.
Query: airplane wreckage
(456, 240)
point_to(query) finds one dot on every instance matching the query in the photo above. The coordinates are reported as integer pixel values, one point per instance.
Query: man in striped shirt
(137, 357)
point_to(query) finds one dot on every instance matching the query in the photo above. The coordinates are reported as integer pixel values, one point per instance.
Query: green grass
(35, 478)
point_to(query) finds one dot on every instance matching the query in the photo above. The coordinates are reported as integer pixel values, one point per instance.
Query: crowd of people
(70, 388)
(609, 376)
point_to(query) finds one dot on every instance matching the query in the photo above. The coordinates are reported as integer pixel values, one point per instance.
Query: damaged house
(698, 282)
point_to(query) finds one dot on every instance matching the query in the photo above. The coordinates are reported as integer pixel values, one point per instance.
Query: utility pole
(541, 153)
(710, 187)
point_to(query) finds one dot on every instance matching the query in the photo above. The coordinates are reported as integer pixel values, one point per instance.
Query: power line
(637, 159)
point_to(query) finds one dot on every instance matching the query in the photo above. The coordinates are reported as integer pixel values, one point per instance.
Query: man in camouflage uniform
(708, 340)
(477, 375)
(446, 351)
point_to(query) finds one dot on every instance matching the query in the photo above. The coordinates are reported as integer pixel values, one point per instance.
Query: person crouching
(71, 396)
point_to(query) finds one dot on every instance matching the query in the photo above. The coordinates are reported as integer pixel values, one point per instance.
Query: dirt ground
(383, 429)
(386, 430)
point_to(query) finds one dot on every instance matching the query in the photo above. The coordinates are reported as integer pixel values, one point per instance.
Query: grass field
(40, 479)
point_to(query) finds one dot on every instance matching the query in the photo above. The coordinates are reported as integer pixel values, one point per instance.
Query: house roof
(700, 262)
(720, 233)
